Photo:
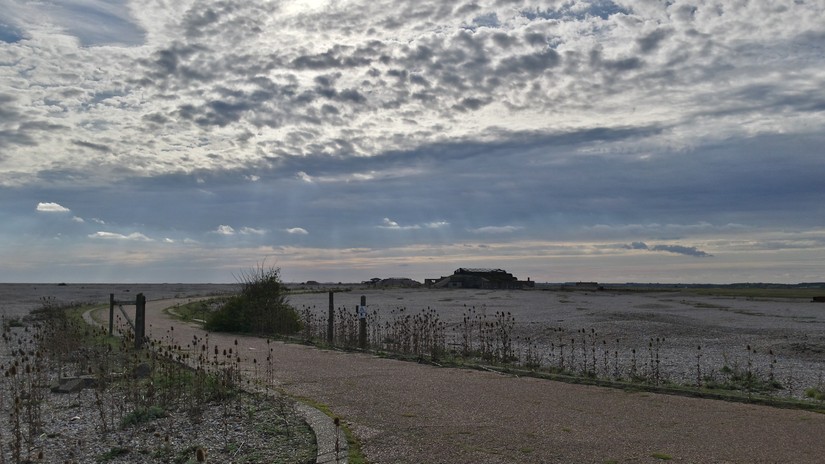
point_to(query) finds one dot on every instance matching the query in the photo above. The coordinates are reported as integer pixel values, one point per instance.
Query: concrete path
(404, 412)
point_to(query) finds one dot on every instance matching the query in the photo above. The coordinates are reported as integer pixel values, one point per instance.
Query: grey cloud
(597, 60)
(681, 250)
(327, 60)
(651, 41)
(156, 118)
(232, 22)
(504, 40)
(93, 146)
(470, 104)
(676, 249)
(20, 130)
(178, 61)
(535, 63)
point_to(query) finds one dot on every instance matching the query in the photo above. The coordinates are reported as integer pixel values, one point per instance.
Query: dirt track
(410, 413)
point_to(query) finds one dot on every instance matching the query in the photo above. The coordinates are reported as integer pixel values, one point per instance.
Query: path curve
(404, 412)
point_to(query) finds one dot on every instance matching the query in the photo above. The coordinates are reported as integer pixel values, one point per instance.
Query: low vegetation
(261, 307)
(164, 403)
(488, 341)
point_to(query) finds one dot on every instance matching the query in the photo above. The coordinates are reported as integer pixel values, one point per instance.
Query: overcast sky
(616, 141)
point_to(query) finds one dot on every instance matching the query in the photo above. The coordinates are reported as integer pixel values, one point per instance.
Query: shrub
(260, 307)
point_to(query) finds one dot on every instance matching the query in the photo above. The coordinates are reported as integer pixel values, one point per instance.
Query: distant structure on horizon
(402, 282)
(480, 278)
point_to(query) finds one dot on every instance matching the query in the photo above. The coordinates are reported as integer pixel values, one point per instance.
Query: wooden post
(362, 323)
(140, 320)
(331, 318)
(111, 312)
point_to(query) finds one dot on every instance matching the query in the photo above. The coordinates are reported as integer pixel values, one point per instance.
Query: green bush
(261, 306)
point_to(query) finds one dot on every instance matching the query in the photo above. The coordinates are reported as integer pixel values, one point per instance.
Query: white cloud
(224, 230)
(252, 231)
(134, 236)
(496, 229)
(390, 224)
(297, 231)
(52, 208)
(78, 219)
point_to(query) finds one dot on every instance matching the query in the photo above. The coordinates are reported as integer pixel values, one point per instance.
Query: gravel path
(404, 412)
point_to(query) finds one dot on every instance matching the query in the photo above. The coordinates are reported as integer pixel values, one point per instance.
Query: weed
(815, 393)
(112, 454)
(142, 415)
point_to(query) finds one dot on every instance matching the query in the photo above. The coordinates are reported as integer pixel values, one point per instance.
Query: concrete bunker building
(463, 277)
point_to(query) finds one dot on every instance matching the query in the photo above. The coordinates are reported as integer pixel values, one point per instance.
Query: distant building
(402, 282)
(479, 278)
(587, 286)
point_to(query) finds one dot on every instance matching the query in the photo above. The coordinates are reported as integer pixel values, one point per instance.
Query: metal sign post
(362, 323)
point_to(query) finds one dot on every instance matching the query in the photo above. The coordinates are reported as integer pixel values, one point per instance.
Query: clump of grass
(142, 415)
(112, 454)
(815, 393)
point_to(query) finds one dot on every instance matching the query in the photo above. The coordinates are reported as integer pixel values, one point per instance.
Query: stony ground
(98, 424)
(776, 336)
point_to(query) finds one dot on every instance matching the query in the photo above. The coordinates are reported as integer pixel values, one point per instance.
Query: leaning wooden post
(362, 323)
(140, 320)
(331, 317)
(111, 312)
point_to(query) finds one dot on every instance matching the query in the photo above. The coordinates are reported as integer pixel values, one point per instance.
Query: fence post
(140, 320)
(111, 312)
(362, 323)
(330, 319)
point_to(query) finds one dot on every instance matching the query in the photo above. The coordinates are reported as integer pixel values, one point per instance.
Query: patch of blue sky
(488, 20)
(566, 12)
(99, 23)
(10, 33)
